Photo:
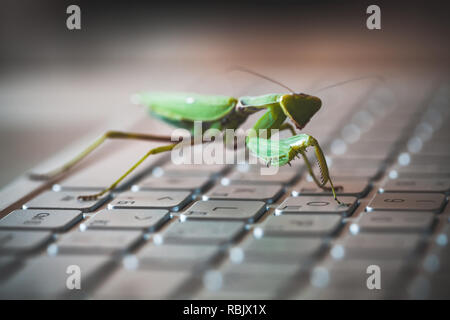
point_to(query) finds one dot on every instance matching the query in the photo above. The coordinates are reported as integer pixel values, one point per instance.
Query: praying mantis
(281, 110)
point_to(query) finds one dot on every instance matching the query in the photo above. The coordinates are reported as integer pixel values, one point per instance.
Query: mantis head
(300, 107)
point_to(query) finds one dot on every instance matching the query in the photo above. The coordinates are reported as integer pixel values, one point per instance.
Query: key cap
(8, 266)
(97, 242)
(22, 241)
(206, 232)
(142, 284)
(392, 266)
(433, 202)
(64, 200)
(396, 221)
(261, 269)
(342, 162)
(150, 219)
(349, 187)
(233, 295)
(380, 246)
(170, 200)
(313, 293)
(5, 263)
(171, 256)
(226, 210)
(317, 204)
(357, 279)
(193, 170)
(373, 149)
(423, 170)
(193, 184)
(251, 284)
(46, 277)
(55, 220)
(426, 159)
(299, 225)
(417, 185)
(281, 177)
(372, 173)
(270, 249)
(351, 274)
(268, 193)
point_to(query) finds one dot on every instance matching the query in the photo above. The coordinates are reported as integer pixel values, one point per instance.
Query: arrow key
(170, 200)
(129, 219)
(226, 210)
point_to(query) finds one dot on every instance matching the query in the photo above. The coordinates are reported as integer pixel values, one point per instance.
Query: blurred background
(58, 84)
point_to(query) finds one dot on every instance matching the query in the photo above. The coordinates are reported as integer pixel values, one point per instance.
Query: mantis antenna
(242, 69)
(380, 78)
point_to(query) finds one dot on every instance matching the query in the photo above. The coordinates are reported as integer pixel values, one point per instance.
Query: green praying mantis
(225, 112)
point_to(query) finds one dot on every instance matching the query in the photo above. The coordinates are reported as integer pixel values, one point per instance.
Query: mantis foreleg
(323, 167)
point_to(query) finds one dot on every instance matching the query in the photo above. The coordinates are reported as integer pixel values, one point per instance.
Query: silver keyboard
(228, 232)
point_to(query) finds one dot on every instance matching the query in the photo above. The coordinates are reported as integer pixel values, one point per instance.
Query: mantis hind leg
(108, 135)
(112, 186)
(323, 167)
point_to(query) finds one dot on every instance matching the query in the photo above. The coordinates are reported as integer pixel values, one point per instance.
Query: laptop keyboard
(228, 232)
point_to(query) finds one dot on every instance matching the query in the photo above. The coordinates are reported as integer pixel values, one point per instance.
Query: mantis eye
(300, 108)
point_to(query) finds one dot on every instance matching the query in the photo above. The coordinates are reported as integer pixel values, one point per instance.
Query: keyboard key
(55, 220)
(206, 232)
(433, 202)
(300, 225)
(349, 187)
(150, 219)
(392, 266)
(97, 242)
(237, 295)
(142, 284)
(317, 204)
(314, 293)
(22, 241)
(418, 185)
(171, 256)
(380, 246)
(375, 149)
(46, 277)
(281, 250)
(193, 184)
(260, 269)
(396, 221)
(356, 173)
(251, 285)
(426, 159)
(268, 193)
(5, 263)
(191, 170)
(64, 200)
(255, 177)
(226, 210)
(344, 162)
(8, 266)
(434, 172)
(170, 200)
